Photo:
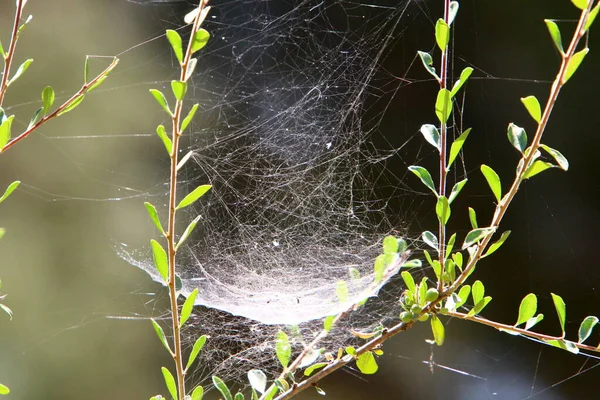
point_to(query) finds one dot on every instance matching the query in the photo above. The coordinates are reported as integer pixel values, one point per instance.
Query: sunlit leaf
(531, 322)
(532, 105)
(574, 63)
(283, 349)
(442, 210)
(479, 306)
(47, 99)
(527, 309)
(517, 137)
(432, 136)
(222, 388)
(179, 89)
(463, 294)
(308, 371)
(170, 382)
(585, 329)
(187, 308)
(562, 162)
(175, 41)
(409, 281)
(464, 75)
(161, 334)
(77, 101)
(193, 196)
(428, 64)
(443, 105)
(475, 236)
(198, 345)
(200, 39)
(154, 216)
(592, 17)
(424, 175)
(160, 131)
(496, 245)
(564, 344)
(341, 290)
(437, 327)
(4, 389)
(11, 188)
(442, 34)
(258, 380)
(457, 146)
(581, 4)
(5, 131)
(198, 393)
(555, 34)
(390, 244)
(493, 181)
(20, 71)
(453, 11)
(473, 218)
(477, 291)
(366, 363)
(561, 310)
(162, 100)
(189, 117)
(188, 231)
(160, 259)
(430, 239)
(537, 167)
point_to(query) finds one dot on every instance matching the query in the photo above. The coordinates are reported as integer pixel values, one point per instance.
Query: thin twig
(170, 233)
(11, 50)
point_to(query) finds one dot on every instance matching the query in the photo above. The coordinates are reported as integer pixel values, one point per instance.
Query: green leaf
(258, 380)
(531, 322)
(424, 175)
(77, 101)
(443, 105)
(432, 135)
(457, 146)
(162, 134)
(193, 196)
(188, 231)
(442, 210)
(517, 137)
(477, 291)
(179, 89)
(479, 306)
(437, 327)
(592, 17)
(222, 387)
(532, 105)
(464, 75)
(154, 217)
(2, 306)
(428, 64)
(463, 294)
(442, 34)
(341, 291)
(366, 363)
(162, 100)
(283, 349)
(20, 71)
(450, 244)
(527, 308)
(198, 393)
(453, 12)
(581, 4)
(47, 98)
(5, 129)
(86, 69)
(95, 85)
(189, 117)
(187, 308)
(11, 188)
(4, 389)
(200, 39)
(496, 245)
(475, 236)
(562, 162)
(198, 345)
(564, 344)
(184, 159)
(175, 40)
(238, 396)
(390, 245)
(308, 371)
(412, 264)
(555, 34)
(458, 259)
(409, 281)
(537, 167)
(35, 118)
(160, 259)
(430, 239)
(2, 53)
(161, 334)
(170, 382)
(585, 329)
(473, 218)
(493, 181)
(561, 311)
(456, 190)
(574, 63)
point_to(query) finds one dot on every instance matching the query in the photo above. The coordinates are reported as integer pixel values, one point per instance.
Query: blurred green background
(86, 175)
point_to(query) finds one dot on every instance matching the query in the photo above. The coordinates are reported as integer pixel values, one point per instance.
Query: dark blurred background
(85, 176)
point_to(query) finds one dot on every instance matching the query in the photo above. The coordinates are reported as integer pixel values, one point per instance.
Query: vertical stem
(171, 253)
(443, 157)
(11, 50)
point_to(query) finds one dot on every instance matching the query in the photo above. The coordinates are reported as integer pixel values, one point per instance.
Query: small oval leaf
(193, 196)
(532, 105)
